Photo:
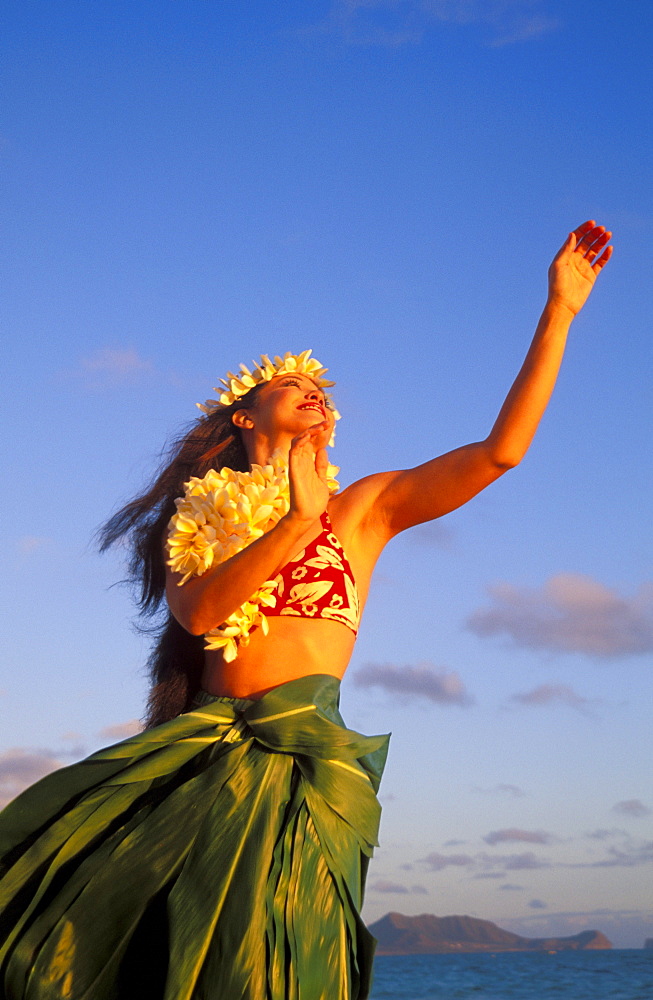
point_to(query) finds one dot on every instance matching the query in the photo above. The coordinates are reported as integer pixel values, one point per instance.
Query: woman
(222, 853)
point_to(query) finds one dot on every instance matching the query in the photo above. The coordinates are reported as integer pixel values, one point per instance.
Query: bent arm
(204, 602)
(402, 499)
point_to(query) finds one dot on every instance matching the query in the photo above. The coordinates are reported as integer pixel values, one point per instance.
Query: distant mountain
(428, 935)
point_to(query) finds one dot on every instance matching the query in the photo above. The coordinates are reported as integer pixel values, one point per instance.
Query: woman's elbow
(188, 616)
(502, 455)
(503, 462)
(195, 627)
(197, 621)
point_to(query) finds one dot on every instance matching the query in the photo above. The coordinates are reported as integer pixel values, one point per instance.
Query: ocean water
(571, 975)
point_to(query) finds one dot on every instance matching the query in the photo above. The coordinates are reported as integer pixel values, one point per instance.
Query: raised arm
(398, 500)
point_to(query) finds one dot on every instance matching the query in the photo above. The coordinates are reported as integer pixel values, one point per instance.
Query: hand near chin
(307, 468)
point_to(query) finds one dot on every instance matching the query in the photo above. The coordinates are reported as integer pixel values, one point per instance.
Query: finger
(602, 260)
(569, 245)
(320, 433)
(590, 237)
(580, 231)
(302, 444)
(596, 248)
(575, 238)
(597, 235)
(312, 430)
(299, 439)
(321, 463)
(322, 425)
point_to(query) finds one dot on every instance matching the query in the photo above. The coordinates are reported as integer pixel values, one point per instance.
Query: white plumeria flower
(218, 516)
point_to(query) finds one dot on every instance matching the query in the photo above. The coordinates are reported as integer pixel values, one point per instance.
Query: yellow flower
(236, 385)
(218, 516)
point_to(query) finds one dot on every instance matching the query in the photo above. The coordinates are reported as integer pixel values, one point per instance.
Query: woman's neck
(260, 450)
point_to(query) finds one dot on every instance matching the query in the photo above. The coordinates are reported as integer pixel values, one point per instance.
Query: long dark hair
(177, 658)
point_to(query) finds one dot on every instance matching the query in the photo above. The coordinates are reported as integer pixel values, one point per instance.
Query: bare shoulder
(355, 511)
(363, 534)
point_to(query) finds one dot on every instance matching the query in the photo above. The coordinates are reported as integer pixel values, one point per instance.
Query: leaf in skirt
(219, 856)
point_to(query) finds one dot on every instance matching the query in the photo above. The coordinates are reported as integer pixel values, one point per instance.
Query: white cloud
(20, 768)
(632, 807)
(386, 886)
(526, 861)
(624, 928)
(114, 365)
(437, 862)
(121, 730)
(485, 865)
(383, 885)
(423, 682)
(28, 544)
(392, 23)
(513, 834)
(514, 791)
(524, 28)
(554, 694)
(631, 853)
(630, 857)
(603, 834)
(571, 613)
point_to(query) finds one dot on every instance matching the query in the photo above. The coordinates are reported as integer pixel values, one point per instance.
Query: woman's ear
(242, 419)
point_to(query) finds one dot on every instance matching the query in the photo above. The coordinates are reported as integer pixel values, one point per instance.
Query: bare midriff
(292, 648)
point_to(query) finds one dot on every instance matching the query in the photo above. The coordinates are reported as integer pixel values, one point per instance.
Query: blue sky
(188, 184)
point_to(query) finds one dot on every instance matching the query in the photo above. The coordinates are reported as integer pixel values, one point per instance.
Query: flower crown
(235, 386)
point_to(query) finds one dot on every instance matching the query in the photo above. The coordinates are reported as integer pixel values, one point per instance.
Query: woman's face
(289, 404)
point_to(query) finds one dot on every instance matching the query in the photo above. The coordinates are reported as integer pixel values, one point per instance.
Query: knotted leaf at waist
(299, 718)
(343, 766)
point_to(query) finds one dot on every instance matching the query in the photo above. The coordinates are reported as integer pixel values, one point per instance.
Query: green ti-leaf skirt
(219, 856)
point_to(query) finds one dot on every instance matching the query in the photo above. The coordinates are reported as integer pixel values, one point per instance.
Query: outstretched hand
(307, 472)
(574, 268)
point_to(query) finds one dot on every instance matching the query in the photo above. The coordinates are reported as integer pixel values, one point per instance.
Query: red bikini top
(318, 583)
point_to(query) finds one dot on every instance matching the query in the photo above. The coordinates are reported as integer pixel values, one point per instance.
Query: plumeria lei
(218, 516)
